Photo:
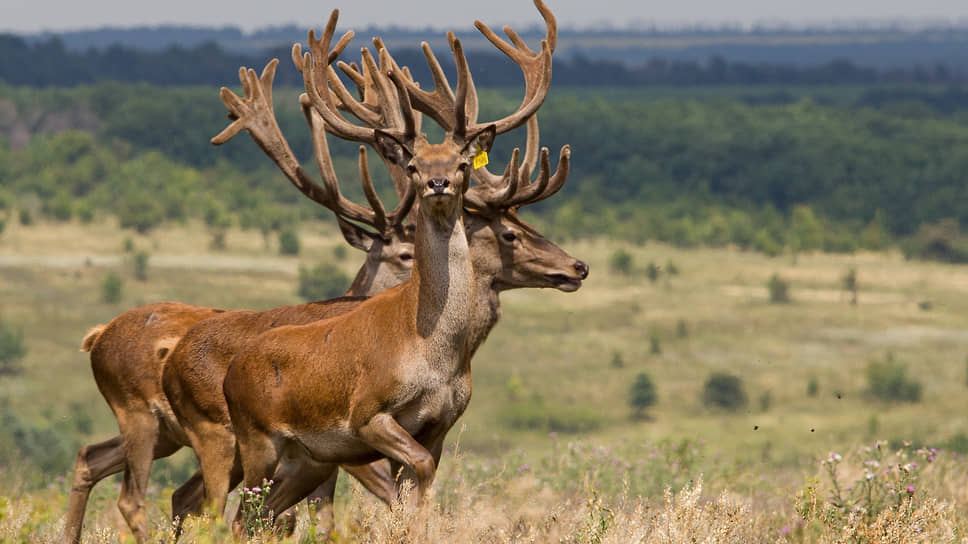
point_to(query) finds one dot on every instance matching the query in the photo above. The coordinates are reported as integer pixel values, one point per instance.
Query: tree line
(692, 172)
(46, 63)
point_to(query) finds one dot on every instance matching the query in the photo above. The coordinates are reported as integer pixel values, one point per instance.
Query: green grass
(560, 347)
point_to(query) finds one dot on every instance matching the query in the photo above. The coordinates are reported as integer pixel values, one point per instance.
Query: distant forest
(50, 63)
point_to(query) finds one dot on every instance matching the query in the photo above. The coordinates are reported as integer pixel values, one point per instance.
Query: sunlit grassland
(553, 352)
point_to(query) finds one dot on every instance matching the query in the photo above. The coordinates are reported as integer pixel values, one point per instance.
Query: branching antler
(255, 113)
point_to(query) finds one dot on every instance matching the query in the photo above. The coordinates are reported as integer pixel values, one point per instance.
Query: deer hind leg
(295, 478)
(143, 443)
(187, 500)
(259, 455)
(94, 463)
(214, 446)
(385, 435)
(377, 478)
(320, 502)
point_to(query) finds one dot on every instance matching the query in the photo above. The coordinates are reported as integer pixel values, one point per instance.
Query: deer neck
(442, 281)
(485, 312)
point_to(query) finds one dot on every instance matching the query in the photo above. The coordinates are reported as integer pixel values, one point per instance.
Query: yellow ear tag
(480, 159)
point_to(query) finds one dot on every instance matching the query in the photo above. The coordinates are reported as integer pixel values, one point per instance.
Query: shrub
(887, 380)
(25, 217)
(813, 386)
(84, 212)
(655, 343)
(765, 243)
(127, 245)
(339, 252)
(111, 288)
(682, 329)
(617, 360)
(288, 241)
(621, 262)
(12, 348)
(724, 391)
(61, 207)
(141, 212)
(642, 394)
(941, 241)
(652, 272)
(779, 289)
(850, 284)
(139, 262)
(766, 400)
(324, 281)
(218, 240)
(672, 268)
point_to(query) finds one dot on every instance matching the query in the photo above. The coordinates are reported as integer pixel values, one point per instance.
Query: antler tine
(495, 196)
(379, 212)
(463, 76)
(545, 187)
(254, 113)
(536, 66)
(483, 175)
(339, 204)
(437, 103)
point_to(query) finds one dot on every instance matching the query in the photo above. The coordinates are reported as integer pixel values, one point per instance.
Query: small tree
(642, 395)
(324, 281)
(139, 262)
(850, 284)
(779, 289)
(888, 380)
(813, 386)
(621, 262)
(724, 391)
(617, 360)
(111, 288)
(12, 348)
(652, 272)
(288, 241)
(655, 342)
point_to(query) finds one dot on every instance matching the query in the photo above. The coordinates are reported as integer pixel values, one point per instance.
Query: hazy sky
(35, 15)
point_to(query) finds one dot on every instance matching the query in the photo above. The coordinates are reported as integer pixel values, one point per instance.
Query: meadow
(550, 449)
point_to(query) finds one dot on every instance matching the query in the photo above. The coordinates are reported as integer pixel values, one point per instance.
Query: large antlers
(255, 114)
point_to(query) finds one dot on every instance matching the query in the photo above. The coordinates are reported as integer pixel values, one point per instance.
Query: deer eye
(411, 169)
(463, 166)
(405, 256)
(509, 236)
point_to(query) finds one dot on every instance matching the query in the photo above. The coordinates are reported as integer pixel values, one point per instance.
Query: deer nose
(582, 268)
(438, 184)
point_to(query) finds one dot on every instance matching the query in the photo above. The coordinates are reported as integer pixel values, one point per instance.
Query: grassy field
(548, 449)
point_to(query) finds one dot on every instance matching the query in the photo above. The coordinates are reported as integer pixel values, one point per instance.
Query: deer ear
(482, 140)
(392, 149)
(355, 235)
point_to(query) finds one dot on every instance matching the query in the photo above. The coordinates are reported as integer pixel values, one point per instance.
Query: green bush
(724, 391)
(652, 272)
(765, 243)
(12, 348)
(887, 380)
(289, 241)
(642, 394)
(61, 207)
(141, 212)
(25, 217)
(339, 252)
(813, 386)
(617, 360)
(139, 262)
(620, 262)
(323, 281)
(111, 288)
(779, 289)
